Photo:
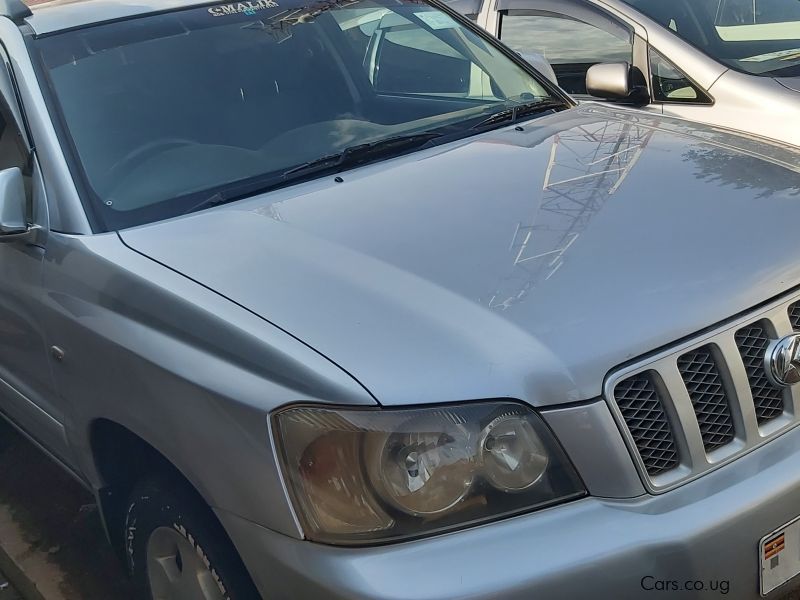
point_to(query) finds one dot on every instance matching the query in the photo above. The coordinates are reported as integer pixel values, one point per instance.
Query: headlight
(367, 475)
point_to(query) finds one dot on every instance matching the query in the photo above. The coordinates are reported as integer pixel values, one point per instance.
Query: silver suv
(343, 300)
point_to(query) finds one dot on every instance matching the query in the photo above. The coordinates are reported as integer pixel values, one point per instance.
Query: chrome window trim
(694, 460)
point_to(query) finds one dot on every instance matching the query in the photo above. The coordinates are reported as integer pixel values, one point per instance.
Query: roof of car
(67, 14)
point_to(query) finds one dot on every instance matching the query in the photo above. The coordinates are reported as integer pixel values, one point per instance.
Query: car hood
(522, 264)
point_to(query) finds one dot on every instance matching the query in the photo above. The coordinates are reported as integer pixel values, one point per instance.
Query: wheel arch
(122, 458)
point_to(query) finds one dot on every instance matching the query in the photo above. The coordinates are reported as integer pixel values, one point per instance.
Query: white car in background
(732, 63)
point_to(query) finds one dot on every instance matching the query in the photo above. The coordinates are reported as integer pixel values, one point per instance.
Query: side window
(671, 85)
(358, 36)
(11, 148)
(405, 57)
(416, 61)
(569, 45)
(425, 52)
(13, 145)
(13, 151)
(469, 8)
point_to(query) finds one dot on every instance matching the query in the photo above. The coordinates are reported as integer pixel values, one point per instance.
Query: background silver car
(734, 63)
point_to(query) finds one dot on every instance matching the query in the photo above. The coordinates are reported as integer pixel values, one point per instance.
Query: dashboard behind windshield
(164, 110)
(759, 37)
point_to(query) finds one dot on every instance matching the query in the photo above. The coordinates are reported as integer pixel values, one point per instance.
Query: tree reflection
(741, 171)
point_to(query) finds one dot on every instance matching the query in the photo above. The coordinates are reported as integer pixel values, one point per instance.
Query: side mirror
(539, 62)
(612, 81)
(13, 204)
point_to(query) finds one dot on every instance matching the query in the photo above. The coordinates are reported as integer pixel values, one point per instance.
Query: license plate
(779, 555)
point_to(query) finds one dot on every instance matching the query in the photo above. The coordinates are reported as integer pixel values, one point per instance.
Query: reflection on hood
(522, 264)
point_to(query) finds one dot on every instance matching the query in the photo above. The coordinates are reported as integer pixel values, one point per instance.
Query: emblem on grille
(782, 361)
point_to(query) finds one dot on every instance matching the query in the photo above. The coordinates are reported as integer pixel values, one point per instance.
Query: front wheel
(177, 550)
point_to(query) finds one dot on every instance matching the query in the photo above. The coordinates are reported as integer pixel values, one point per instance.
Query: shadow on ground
(59, 517)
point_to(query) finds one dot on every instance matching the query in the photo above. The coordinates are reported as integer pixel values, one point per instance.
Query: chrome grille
(794, 315)
(752, 342)
(694, 407)
(707, 392)
(643, 412)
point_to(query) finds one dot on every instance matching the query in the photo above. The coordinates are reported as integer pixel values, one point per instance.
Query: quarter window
(671, 85)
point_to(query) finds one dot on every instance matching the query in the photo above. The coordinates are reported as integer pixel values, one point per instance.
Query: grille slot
(703, 382)
(688, 410)
(752, 342)
(794, 315)
(643, 412)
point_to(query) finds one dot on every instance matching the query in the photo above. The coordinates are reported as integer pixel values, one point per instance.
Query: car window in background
(400, 57)
(759, 37)
(402, 51)
(469, 8)
(569, 45)
(671, 85)
(169, 110)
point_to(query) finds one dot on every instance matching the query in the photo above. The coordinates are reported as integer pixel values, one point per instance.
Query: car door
(572, 36)
(27, 394)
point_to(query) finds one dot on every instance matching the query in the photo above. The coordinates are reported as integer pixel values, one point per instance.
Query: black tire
(154, 503)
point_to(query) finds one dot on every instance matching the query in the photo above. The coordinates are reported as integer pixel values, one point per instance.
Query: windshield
(759, 37)
(165, 111)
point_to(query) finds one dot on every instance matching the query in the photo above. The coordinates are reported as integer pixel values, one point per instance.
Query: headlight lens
(513, 453)
(368, 475)
(425, 470)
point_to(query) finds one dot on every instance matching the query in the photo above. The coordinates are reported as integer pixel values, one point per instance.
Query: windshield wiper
(519, 111)
(349, 157)
(363, 153)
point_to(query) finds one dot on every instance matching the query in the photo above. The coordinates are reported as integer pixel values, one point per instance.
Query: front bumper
(703, 535)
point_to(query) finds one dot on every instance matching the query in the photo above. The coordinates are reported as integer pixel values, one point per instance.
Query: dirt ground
(56, 520)
(7, 592)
